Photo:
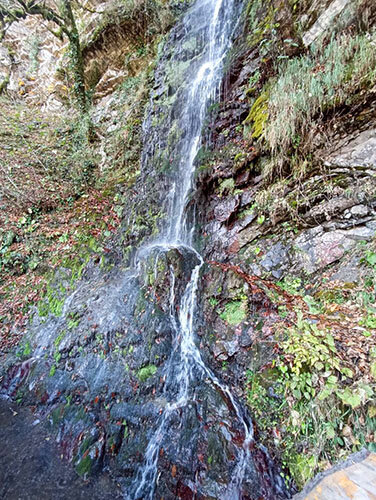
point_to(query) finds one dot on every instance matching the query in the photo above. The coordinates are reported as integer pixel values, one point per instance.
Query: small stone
(359, 211)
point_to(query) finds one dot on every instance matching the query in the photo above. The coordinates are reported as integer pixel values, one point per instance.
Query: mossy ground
(316, 401)
(53, 215)
(146, 372)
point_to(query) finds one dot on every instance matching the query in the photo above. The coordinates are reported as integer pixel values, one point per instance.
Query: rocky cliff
(283, 211)
(287, 186)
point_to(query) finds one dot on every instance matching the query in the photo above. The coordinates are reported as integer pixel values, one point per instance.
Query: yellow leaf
(173, 471)
(372, 411)
(373, 369)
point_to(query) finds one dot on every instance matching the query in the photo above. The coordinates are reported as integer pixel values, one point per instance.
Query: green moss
(226, 186)
(57, 415)
(52, 303)
(141, 304)
(27, 349)
(291, 284)
(177, 72)
(83, 467)
(260, 20)
(234, 312)
(146, 372)
(258, 116)
(85, 444)
(59, 338)
(213, 301)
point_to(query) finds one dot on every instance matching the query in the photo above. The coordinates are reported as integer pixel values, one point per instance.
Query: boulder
(324, 22)
(357, 152)
(354, 479)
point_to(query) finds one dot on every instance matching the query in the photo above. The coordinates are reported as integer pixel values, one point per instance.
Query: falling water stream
(190, 391)
(220, 21)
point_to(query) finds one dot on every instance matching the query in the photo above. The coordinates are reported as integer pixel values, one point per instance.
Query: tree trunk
(75, 53)
(77, 68)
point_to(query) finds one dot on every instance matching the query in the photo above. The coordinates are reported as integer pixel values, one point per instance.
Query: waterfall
(218, 32)
(216, 35)
(189, 419)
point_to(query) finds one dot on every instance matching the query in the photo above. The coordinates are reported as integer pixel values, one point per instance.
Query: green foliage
(83, 467)
(234, 312)
(4, 83)
(10, 260)
(301, 467)
(371, 258)
(52, 303)
(226, 186)
(261, 25)
(80, 162)
(314, 83)
(253, 81)
(261, 219)
(146, 372)
(26, 350)
(311, 402)
(213, 301)
(59, 338)
(73, 321)
(291, 284)
(311, 347)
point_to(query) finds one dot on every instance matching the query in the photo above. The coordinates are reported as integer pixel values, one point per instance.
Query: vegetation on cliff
(286, 217)
(63, 19)
(311, 383)
(65, 175)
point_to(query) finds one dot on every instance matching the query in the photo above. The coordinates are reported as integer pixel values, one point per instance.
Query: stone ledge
(353, 479)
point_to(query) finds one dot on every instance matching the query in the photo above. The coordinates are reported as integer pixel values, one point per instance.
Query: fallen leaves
(353, 342)
(173, 471)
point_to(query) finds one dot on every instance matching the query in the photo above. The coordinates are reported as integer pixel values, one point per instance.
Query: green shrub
(314, 404)
(314, 83)
(234, 312)
(146, 372)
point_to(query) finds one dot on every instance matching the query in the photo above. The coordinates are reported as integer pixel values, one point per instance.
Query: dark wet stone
(247, 337)
(276, 259)
(225, 208)
(30, 465)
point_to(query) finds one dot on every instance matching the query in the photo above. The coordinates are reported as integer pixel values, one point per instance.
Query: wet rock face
(95, 371)
(97, 375)
(326, 226)
(198, 453)
(238, 318)
(43, 475)
(95, 363)
(164, 269)
(315, 232)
